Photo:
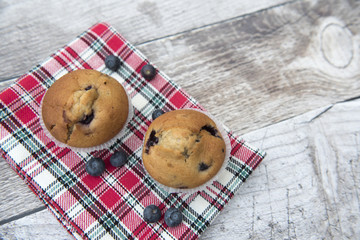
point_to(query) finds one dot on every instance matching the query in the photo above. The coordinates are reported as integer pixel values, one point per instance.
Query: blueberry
(118, 159)
(157, 113)
(211, 130)
(173, 217)
(112, 62)
(152, 214)
(95, 167)
(87, 118)
(148, 72)
(203, 166)
(152, 141)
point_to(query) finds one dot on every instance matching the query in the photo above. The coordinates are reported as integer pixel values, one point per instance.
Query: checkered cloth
(110, 206)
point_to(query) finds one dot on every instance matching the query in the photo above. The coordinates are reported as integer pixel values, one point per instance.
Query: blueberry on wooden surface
(119, 158)
(152, 214)
(112, 62)
(157, 113)
(95, 167)
(148, 72)
(173, 217)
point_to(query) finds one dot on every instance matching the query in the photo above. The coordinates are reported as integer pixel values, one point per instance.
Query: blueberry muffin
(183, 149)
(85, 108)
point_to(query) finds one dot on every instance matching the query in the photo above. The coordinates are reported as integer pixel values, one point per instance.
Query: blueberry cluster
(172, 217)
(96, 166)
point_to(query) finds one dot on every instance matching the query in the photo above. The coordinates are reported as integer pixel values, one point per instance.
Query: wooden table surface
(285, 75)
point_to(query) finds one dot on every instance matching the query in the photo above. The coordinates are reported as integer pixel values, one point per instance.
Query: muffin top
(183, 149)
(85, 108)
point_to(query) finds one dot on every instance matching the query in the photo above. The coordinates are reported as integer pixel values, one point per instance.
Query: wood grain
(268, 66)
(32, 30)
(254, 65)
(307, 187)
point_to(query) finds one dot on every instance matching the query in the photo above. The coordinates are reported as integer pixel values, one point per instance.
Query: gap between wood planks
(321, 113)
(216, 23)
(21, 215)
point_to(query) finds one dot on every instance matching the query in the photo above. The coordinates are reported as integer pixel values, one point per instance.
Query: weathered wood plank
(307, 187)
(31, 30)
(15, 197)
(269, 66)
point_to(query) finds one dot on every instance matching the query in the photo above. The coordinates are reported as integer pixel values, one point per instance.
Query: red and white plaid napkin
(110, 206)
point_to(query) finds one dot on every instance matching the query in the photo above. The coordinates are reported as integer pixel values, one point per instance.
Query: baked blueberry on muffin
(85, 108)
(183, 149)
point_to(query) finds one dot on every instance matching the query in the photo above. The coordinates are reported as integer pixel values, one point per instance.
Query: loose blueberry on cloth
(152, 214)
(95, 167)
(119, 158)
(173, 217)
(110, 205)
(112, 62)
(148, 72)
(156, 113)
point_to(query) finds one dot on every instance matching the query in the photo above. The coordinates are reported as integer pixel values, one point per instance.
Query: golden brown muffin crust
(183, 149)
(85, 108)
